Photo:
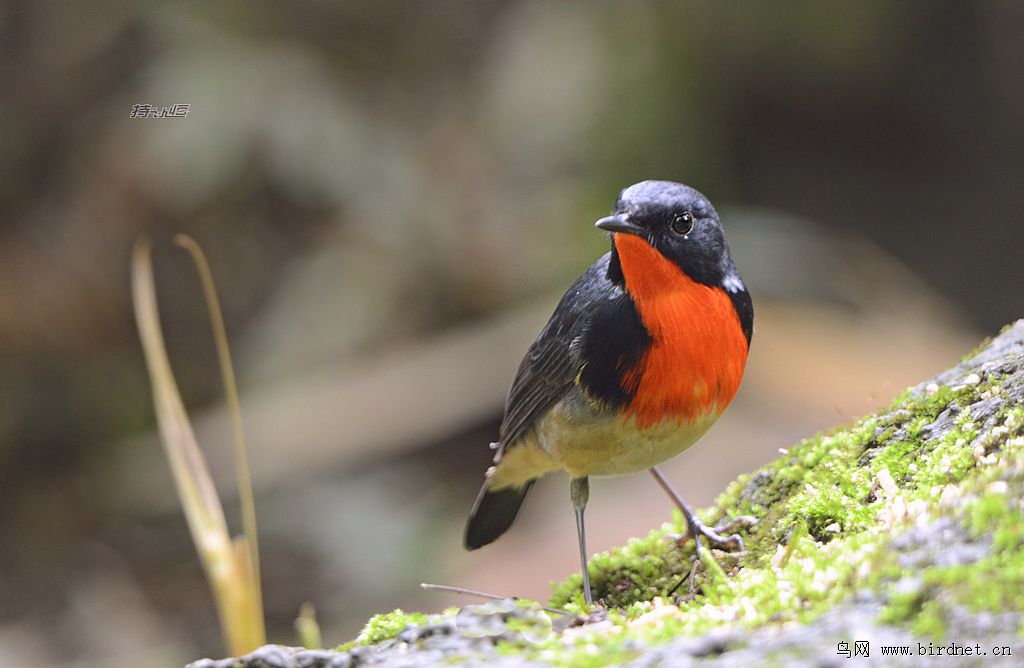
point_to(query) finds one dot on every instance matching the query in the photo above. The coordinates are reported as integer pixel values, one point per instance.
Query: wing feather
(551, 365)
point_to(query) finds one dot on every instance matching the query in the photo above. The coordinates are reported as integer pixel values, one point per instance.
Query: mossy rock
(903, 529)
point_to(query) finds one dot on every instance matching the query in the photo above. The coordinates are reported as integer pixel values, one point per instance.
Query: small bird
(640, 357)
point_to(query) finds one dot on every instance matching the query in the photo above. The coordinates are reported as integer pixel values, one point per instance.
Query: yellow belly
(614, 446)
(593, 444)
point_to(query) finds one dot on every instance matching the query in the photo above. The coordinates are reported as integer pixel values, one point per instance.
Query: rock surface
(902, 530)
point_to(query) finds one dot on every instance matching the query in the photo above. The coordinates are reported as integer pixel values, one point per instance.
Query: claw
(715, 535)
(715, 538)
(745, 521)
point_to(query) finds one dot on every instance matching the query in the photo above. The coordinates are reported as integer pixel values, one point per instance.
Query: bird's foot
(718, 538)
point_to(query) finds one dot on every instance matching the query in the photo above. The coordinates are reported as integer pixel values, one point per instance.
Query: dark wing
(550, 367)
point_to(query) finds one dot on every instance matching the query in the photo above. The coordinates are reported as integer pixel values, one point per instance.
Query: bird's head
(680, 224)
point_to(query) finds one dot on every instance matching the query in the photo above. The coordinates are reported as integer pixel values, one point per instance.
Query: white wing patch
(732, 283)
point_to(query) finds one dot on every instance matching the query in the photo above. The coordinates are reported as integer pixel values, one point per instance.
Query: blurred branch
(248, 502)
(230, 565)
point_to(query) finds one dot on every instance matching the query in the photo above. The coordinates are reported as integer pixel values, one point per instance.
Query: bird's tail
(493, 513)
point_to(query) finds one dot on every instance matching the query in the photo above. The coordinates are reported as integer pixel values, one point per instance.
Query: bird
(640, 357)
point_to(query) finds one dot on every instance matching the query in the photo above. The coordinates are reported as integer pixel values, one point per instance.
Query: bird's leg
(579, 492)
(698, 529)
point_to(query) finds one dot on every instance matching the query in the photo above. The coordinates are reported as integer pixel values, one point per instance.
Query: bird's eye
(682, 223)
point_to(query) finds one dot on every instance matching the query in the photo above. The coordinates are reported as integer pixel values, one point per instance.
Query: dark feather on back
(549, 369)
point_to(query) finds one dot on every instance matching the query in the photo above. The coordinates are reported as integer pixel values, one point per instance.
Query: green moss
(388, 625)
(825, 511)
(807, 579)
(639, 571)
(990, 509)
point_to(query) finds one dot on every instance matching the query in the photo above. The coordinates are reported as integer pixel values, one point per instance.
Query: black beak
(620, 223)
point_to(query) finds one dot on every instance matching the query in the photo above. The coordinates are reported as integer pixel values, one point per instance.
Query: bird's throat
(698, 350)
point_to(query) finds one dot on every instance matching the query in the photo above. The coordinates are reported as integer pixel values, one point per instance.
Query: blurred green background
(392, 196)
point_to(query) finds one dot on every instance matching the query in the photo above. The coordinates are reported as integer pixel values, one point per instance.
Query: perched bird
(638, 360)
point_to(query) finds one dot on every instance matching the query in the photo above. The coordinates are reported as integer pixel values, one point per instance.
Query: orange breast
(698, 351)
